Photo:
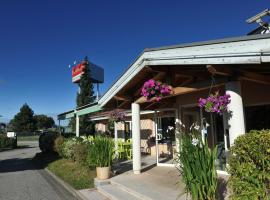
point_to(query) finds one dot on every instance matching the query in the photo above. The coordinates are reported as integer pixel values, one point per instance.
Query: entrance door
(212, 130)
(215, 136)
(165, 137)
(128, 132)
(190, 117)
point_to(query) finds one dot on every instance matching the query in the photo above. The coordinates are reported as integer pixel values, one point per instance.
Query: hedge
(6, 142)
(250, 166)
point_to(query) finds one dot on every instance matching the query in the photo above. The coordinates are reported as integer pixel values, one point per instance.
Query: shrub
(101, 152)
(57, 143)
(80, 153)
(46, 141)
(87, 139)
(67, 148)
(197, 166)
(6, 142)
(250, 166)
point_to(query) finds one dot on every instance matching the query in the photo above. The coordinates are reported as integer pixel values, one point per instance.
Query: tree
(84, 97)
(24, 120)
(43, 122)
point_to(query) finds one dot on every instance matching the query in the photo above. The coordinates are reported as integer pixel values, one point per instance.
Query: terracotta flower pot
(103, 172)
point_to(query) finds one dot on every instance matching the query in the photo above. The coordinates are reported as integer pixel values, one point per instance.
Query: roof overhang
(87, 109)
(127, 113)
(243, 50)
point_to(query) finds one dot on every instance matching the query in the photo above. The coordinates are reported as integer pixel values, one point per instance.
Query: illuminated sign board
(77, 72)
(97, 73)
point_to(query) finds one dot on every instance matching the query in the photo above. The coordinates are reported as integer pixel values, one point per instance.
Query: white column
(236, 121)
(115, 140)
(177, 128)
(77, 125)
(136, 138)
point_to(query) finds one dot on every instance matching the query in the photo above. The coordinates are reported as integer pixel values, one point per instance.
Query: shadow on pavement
(40, 161)
(125, 166)
(43, 159)
(16, 164)
(18, 147)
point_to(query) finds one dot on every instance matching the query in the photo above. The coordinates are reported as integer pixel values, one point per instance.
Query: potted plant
(215, 103)
(155, 89)
(101, 155)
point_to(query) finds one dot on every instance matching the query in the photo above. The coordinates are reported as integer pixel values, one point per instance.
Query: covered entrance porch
(175, 114)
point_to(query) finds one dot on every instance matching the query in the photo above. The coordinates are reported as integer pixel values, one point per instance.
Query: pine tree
(23, 121)
(84, 96)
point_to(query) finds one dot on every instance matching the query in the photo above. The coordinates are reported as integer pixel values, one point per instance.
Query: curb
(74, 192)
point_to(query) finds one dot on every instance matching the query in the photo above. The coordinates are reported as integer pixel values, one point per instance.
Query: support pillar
(235, 116)
(115, 139)
(59, 127)
(136, 138)
(77, 125)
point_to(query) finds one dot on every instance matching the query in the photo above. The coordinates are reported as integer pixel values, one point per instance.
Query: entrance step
(130, 191)
(114, 192)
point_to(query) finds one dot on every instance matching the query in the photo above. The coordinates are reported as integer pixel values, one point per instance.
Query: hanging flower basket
(117, 116)
(155, 89)
(215, 103)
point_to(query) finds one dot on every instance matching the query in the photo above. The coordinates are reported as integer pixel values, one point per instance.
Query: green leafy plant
(197, 167)
(46, 141)
(101, 152)
(80, 153)
(249, 166)
(6, 142)
(57, 143)
(67, 148)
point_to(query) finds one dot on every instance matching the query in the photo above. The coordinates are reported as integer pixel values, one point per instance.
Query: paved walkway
(157, 183)
(20, 180)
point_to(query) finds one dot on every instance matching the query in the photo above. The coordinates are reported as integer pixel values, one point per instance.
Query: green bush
(80, 153)
(67, 148)
(47, 141)
(57, 143)
(197, 167)
(250, 166)
(100, 153)
(6, 142)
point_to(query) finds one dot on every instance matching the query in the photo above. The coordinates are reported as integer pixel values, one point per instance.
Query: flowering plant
(215, 103)
(196, 163)
(152, 88)
(117, 116)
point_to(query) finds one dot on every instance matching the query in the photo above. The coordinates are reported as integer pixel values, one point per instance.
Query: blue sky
(40, 38)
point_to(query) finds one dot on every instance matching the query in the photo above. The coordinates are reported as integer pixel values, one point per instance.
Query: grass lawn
(77, 176)
(28, 138)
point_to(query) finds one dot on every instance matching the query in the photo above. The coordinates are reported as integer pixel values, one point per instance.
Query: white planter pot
(103, 172)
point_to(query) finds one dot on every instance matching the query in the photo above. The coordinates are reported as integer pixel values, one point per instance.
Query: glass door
(128, 132)
(214, 133)
(165, 137)
(212, 130)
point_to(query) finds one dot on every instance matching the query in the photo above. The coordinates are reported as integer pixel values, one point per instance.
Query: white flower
(195, 141)
(197, 127)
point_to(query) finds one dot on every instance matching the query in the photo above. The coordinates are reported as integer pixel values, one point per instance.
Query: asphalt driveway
(21, 180)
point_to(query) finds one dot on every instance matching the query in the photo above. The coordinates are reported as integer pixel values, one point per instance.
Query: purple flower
(152, 88)
(215, 103)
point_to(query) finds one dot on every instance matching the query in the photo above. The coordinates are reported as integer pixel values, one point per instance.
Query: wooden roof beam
(176, 91)
(238, 73)
(219, 70)
(122, 98)
(123, 103)
(254, 77)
